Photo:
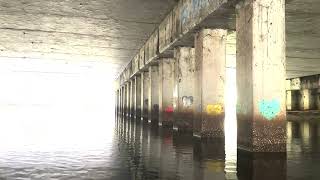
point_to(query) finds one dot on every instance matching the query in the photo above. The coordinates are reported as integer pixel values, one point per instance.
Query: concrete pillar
(184, 90)
(137, 97)
(125, 92)
(132, 98)
(118, 102)
(153, 105)
(121, 100)
(261, 75)
(128, 99)
(289, 100)
(210, 53)
(145, 94)
(166, 83)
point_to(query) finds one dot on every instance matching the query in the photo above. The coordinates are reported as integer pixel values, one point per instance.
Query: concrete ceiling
(303, 37)
(113, 30)
(95, 30)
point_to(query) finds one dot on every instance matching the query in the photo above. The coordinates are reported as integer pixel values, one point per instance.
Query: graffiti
(184, 14)
(197, 5)
(169, 109)
(269, 109)
(187, 101)
(193, 11)
(216, 109)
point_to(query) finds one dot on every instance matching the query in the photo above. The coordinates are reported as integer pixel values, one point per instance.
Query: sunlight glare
(48, 105)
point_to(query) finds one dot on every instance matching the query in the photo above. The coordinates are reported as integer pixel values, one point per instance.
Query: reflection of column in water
(209, 159)
(261, 166)
(127, 129)
(289, 130)
(140, 151)
(168, 166)
(184, 154)
(154, 153)
(318, 129)
(305, 130)
(132, 131)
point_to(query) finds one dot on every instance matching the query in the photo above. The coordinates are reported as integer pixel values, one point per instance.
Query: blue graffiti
(184, 14)
(197, 5)
(269, 109)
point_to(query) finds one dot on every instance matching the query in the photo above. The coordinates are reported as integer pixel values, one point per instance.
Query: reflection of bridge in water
(161, 153)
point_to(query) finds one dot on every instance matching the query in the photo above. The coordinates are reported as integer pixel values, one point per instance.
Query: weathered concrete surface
(303, 37)
(261, 108)
(153, 94)
(166, 84)
(210, 72)
(184, 89)
(137, 97)
(111, 31)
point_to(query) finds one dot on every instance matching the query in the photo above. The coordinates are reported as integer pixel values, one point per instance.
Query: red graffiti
(169, 110)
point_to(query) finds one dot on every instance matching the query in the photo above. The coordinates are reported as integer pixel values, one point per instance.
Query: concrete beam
(166, 84)
(184, 90)
(261, 109)
(210, 53)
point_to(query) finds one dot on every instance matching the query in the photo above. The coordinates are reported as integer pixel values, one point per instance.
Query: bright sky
(47, 105)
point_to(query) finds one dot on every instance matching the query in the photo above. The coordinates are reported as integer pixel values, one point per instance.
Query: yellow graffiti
(216, 109)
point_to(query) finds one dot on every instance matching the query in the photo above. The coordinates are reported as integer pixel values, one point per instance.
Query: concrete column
(289, 100)
(261, 75)
(166, 83)
(137, 97)
(132, 98)
(145, 94)
(210, 53)
(317, 99)
(184, 90)
(128, 99)
(153, 105)
(125, 92)
(117, 101)
(121, 100)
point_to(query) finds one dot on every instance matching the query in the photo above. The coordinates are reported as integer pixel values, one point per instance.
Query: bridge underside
(267, 41)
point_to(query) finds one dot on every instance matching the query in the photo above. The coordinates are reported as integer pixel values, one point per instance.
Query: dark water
(139, 151)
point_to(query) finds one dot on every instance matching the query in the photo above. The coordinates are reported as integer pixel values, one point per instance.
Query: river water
(136, 150)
